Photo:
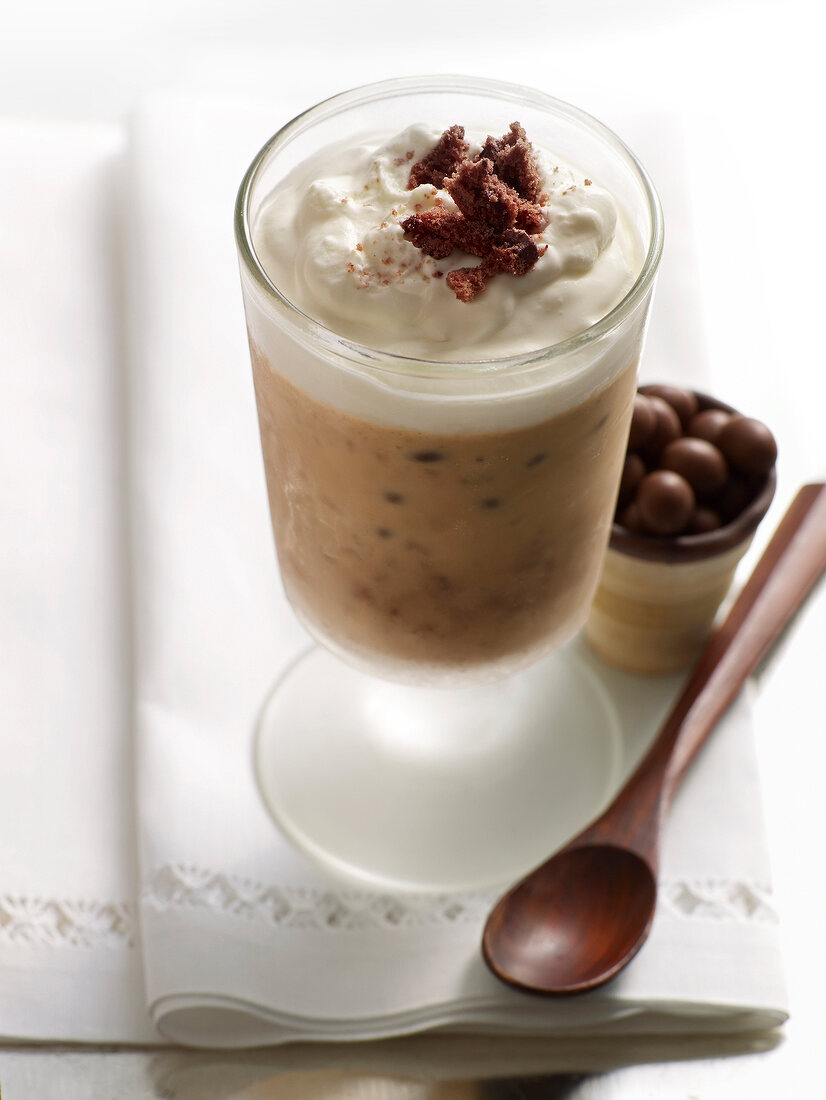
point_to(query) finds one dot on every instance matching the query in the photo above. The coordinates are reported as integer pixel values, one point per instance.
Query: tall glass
(440, 525)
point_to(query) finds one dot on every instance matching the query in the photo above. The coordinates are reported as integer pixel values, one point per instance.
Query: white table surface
(745, 79)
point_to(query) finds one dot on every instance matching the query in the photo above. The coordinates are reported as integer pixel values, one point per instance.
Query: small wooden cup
(657, 597)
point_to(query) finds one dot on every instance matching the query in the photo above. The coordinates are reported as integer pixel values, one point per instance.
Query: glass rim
(388, 89)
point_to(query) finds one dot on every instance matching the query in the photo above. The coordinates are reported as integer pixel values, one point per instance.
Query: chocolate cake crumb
(433, 231)
(513, 162)
(442, 160)
(516, 252)
(481, 196)
(468, 283)
(437, 231)
(498, 197)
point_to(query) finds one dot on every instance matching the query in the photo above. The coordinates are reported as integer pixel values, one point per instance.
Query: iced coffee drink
(445, 322)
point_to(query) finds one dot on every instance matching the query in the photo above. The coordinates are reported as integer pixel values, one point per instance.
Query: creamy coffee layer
(427, 555)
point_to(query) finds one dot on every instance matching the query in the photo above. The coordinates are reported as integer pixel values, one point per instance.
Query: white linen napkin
(70, 965)
(245, 942)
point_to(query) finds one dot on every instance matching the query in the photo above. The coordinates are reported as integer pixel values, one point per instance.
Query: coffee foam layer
(480, 399)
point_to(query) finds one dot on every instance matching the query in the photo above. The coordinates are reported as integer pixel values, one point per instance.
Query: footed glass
(440, 528)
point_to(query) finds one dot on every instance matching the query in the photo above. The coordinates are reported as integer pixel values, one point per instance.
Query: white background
(744, 82)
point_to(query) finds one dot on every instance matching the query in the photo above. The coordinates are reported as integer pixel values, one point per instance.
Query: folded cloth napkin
(245, 941)
(70, 965)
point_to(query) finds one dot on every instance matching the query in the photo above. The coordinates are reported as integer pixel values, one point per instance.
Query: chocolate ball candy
(643, 420)
(683, 402)
(708, 424)
(633, 471)
(737, 492)
(748, 445)
(666, 429)
(665, 501)
(699, 462)
(631, 520)
(703, 520)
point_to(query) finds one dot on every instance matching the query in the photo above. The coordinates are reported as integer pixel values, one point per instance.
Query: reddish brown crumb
(513, 162)
(468, 283)
(432, 231)
(531, 217)
(482, 196)
(497, 195)
(438, 231)
(442, 160)
(516, 252)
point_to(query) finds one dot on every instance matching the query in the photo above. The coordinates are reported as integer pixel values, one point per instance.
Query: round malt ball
(734, 497)
(748, 445)
(703, 520)
(643, 420)
(633, 471)
(699, 462)
(708, 424)
(666, 428)
(631, 520)
(666, 502)
(682, 401)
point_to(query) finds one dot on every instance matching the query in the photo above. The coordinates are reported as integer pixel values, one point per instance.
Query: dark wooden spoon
(579, 918)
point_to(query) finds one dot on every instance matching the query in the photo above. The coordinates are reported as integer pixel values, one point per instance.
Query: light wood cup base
(652, 617)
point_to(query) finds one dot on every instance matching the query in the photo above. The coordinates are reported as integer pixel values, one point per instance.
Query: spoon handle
(791, 565)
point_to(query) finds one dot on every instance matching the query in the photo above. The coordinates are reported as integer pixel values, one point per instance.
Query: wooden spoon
(580, 917)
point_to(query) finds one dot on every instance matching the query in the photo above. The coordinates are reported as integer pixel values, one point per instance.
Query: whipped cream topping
(329, 237)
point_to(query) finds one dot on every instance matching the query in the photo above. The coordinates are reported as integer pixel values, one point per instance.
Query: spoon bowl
(579, 918)
(529, 940)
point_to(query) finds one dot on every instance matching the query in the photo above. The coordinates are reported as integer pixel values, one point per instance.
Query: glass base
(435, 789)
